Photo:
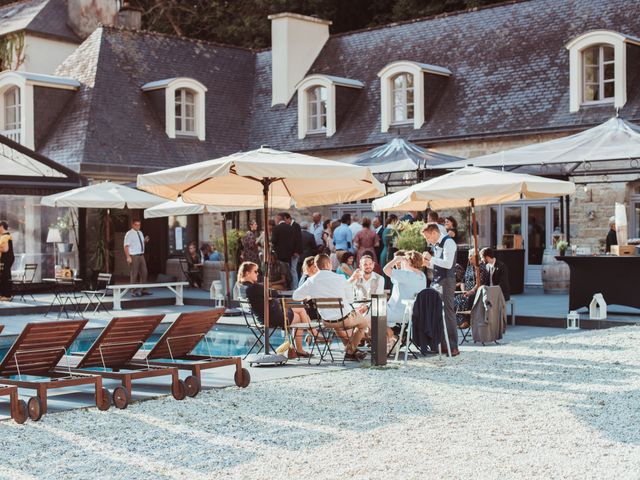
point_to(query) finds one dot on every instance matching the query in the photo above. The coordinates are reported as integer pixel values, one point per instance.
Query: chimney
(130, 17)
(86, 15)
(296, 41)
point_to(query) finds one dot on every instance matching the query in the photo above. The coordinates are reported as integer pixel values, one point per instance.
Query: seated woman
(254, 292)
(346, 267)
(463, 301)
(407, 279)
(194, 260)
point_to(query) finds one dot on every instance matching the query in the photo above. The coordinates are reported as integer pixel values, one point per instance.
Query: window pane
(608, 71)
(409, 112)
(590, 93)
(409, 80)
(398, 98)
(178, 124)
(591, 74)
(191, 125)
(607, 53)
(609, 90)
(398, 114)
(410, 96)
(189, 110)
(323, 94)
(189, 97)
(398, 81)
(313, 109)
(591, 56)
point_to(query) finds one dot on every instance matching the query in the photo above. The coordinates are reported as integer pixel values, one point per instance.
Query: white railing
(12, 134)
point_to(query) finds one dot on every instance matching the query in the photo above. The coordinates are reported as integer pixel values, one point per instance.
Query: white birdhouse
(573, 320)
(598, 308)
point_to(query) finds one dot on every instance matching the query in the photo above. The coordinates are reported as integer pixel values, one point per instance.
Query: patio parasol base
(267, 359)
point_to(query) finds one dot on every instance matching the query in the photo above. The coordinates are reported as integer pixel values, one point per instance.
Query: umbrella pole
(267, 255)
(474, 227)
(106, 247)
(226, 256)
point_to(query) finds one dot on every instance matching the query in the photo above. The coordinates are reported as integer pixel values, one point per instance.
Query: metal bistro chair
(26, 279)
(328, 331)
(65, 294)
(405, 339)
(310, 327)
(255, 326)
(96, 296)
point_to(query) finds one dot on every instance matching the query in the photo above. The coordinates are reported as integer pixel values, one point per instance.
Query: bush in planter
(234, 237)
(562, 246)
(409, 236)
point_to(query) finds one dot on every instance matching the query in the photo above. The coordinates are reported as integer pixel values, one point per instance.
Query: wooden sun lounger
(111, 354)
(32, 359)
(17, 407)
(176, 344)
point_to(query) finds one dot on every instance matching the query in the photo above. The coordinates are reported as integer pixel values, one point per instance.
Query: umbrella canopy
(178, 207)
(102, 195)
(239, 180)
(399, 155)
(484, 186)
(615, 139)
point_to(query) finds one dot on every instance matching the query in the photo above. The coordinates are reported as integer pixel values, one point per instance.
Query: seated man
(366, 282)
(498, 272)
(328, 284)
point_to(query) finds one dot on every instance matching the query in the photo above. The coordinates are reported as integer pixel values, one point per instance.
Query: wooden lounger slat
(129, 332)
(185, 333)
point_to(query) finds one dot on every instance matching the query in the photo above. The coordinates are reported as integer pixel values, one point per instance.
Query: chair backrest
(104, 279)
(185, 333)
(29, 273)
(328, 304)
(40, 346)
(1, 328)
(119, 341)
(291, 303)
(184, 266)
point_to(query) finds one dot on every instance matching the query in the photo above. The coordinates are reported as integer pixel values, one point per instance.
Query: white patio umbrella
(471, 186)
(262, 178)
(178, 207)
(102, 195)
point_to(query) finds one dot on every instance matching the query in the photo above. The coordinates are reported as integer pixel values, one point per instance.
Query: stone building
(124, 101)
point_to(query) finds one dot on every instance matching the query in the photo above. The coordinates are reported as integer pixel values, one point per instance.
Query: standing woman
(366, 240)
(250, 247)
(387, 239)
(6, 261)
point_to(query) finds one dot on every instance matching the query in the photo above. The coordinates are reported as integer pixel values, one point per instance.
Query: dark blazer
(283, 242)
(309, 247)
(428, 330)
(297, 237)
(501, 277)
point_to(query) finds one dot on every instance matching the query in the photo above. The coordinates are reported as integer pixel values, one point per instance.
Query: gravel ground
(565, 406)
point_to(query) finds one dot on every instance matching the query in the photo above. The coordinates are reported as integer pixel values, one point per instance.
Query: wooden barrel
(555, 273)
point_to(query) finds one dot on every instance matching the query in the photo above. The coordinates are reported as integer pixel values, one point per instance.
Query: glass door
(536, 241)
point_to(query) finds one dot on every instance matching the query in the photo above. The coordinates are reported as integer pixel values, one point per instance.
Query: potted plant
(234, 237)
(562, 246)
(409, 236)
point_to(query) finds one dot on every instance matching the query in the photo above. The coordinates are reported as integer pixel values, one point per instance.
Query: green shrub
(409, 236)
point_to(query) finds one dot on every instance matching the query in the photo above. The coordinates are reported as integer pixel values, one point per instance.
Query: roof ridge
(12, 4)
(175, 37)
(430, 17)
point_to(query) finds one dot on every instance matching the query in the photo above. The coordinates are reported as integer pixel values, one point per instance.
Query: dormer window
(598, 69)
(184, 105)
(11, 126)
(317, 100)
(403, 105)
(402, 95)
(317, 109)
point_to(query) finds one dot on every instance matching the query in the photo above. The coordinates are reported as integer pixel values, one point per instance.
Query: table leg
(179, 295)
(117, 296)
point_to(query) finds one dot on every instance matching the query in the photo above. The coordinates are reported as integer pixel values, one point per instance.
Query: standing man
(309, 247)
(282, 239)
(498, 272)
(297, 248)
(134, 246)
(342, 236)
(378, 228)
(612, 236)
(6, 261)
(316, 229)
(443, 263)
(355, 226)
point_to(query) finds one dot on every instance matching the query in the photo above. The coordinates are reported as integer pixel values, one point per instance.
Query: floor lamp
(54, 236)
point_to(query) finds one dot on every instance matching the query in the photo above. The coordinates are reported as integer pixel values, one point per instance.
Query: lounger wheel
(104, 402)
(192, 384)
(21, 415)
(120, 397)
(34, 407)
(179, 390)
(245, 380)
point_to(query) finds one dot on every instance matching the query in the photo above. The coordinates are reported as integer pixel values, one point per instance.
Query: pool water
(223, 340)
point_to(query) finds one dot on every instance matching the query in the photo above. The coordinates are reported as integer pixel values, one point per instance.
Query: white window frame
(404, 90)
(418, 70)
(319, 103)
(170, 86)
(324, 81)
(594, 38)
(14, 130)
(183, 117)
(600, 65)
(634, 199)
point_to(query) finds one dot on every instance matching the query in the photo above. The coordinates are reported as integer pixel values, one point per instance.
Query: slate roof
(43, 17)
(510, 76)
(111, 122)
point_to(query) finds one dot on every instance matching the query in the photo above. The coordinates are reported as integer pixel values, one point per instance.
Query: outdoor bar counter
(615, 277)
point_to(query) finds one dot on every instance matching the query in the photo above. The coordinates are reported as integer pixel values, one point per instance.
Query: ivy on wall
(12, 51)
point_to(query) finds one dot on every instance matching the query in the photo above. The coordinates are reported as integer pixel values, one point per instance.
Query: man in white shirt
(355, 226)
(328, 284)
(443, 263)
(134, 245)
(316, 228)
(365, 280)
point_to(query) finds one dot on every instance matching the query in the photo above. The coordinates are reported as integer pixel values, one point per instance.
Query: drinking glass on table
(574, 249)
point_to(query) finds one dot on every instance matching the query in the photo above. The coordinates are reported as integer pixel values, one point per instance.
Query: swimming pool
(222, 340)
